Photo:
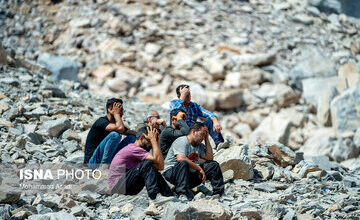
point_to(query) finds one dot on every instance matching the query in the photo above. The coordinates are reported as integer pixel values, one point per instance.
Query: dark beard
(143, 146)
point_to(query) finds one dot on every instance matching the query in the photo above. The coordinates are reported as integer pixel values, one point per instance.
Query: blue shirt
(193, 112)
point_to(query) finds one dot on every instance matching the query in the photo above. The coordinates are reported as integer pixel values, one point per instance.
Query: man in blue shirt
(194, 110)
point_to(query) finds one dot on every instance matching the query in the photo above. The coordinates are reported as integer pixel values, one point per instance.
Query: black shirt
(96, 134)
(169, 135)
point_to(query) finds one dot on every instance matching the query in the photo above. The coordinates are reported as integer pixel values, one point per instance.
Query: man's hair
(110, 103)
(197, 126)
(174, 112)
(141, 131)
(180, 87)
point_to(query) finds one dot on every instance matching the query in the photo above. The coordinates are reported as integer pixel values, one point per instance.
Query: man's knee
(114, 135)
(213, 164)
(183, 164)
(147, 164)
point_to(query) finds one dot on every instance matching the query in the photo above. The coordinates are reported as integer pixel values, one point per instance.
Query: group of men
(155, 151)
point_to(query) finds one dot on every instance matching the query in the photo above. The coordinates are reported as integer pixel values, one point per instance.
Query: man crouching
(183, 167)
(134, 167)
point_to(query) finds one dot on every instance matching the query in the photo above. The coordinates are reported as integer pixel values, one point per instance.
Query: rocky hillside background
(282, 76)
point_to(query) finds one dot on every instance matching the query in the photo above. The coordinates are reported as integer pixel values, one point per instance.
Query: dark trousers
(144, 174)
(183, 179)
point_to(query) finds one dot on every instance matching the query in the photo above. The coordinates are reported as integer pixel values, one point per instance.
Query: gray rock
(10, 81)
(320, 92)
(265, 187)
(179, 211)
(56, 127)
(344, 149)
(303, 18)
(76, 157)
(210, 209)
(290, 214)
(313, 64)
(42, 209)
(236, 158)
(71, 146)
(60, 67)
(197, 6)
(228, 176)
(39, 217)
(71, 135)
(323, 162)
(344, 110)
(266, 172)
(5, 211)
(274, 209)
(49, 200)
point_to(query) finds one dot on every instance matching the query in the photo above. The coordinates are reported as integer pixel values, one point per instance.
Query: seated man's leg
(110, 147)
(216, 136)
(109, 142)
(134, 181)
(163, 186)
(214, 174)
(179, 175)
(148, 175)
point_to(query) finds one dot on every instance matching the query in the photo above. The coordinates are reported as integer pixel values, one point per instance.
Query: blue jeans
(108, 148)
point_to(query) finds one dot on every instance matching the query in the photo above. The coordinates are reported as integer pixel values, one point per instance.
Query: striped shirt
(193, 112)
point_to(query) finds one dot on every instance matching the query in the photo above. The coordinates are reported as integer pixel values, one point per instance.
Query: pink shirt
(126, 159)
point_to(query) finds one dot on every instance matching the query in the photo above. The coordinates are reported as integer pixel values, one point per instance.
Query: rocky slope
(281, 75)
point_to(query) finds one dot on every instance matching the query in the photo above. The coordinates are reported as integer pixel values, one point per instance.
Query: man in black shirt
(103, 140)
(177, 129)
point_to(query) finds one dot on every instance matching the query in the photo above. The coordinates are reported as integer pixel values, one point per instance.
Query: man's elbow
(120, 130)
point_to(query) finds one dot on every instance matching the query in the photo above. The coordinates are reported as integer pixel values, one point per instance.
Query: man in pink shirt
(134, 167)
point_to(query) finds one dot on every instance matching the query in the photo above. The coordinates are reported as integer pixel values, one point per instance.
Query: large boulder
(319, 92)
(60, 67)
(320, 143)
(350, 72)
(277, 126)
(312, 64)
(345, 110)
(279, 94)
(55, 128)
(179, 211)
(227, 99)
(210, 209)
(236, 158)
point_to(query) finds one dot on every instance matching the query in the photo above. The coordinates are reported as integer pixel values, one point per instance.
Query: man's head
(151, 118)
(176, 115)
(187, 95)
(141, 139)
(110, 103)
(198, 132)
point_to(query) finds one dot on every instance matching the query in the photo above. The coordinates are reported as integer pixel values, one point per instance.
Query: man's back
(96, 134)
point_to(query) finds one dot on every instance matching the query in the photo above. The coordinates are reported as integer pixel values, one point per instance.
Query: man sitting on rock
(134, 167)
(152, 119)
(182, 165)
(194, 110)
(177, 129)
(104, 138)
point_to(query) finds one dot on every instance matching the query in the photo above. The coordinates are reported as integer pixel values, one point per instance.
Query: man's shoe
(159, 200)
(222, 145)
